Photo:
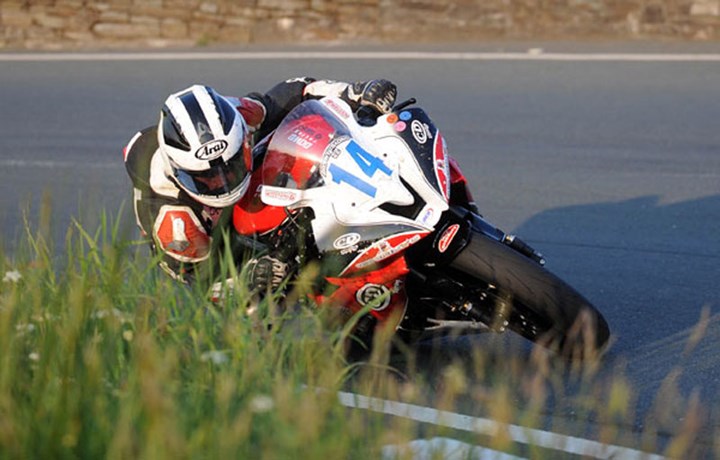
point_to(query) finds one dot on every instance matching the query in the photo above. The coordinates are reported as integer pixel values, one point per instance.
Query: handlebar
(367, 116)
(402, 105)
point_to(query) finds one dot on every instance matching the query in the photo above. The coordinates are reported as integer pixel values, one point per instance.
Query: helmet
(206, 146)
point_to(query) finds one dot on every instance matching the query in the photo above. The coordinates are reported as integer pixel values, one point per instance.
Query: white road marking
(519, 434)
(360, 55)
(445, 448)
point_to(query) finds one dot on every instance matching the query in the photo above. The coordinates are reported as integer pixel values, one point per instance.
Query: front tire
(530, 300)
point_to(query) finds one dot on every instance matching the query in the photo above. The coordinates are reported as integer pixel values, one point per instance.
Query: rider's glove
(378, 94)
(266, 272)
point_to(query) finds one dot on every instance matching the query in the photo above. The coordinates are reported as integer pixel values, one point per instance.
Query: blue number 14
(367, 162)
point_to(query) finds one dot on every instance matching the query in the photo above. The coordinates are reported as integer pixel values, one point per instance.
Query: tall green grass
(102, 355)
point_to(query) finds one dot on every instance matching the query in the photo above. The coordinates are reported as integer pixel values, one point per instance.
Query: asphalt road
(611, 169)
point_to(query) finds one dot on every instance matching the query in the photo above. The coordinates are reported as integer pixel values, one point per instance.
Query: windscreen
(295, 154)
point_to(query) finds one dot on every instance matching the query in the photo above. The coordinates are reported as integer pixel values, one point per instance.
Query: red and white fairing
(364, 181)
(374, 191)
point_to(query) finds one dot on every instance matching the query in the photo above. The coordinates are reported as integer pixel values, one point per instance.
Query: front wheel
(530, 300)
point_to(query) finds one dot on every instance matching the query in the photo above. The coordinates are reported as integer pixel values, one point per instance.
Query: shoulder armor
(180, 234)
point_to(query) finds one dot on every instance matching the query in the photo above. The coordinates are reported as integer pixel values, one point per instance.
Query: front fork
(489, 230)
(453, 234)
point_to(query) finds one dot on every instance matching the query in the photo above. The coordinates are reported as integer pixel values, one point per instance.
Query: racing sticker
(442, 166)
(278, 196)
(418, 131)
(339, 110)
(376, 295)
(347, 240)
(305, 136)
(386, 248)
(447, 237)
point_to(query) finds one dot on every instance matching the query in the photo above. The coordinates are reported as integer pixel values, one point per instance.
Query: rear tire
(532, 301)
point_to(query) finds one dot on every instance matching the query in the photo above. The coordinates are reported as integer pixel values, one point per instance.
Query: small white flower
(34, 356)
(22, 327)
(12, 276)
(121, 316)
(215, 356)
(100, 314)
(261, 403)
(128, 335)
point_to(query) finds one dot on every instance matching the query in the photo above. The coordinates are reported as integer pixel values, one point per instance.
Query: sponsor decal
(427, 216)
(211, 150)
(286, 195)
(447, 237)
(420, 131)
(346, 241)
(376, 295)
(400, 126)
(442, 167)
(349, 250)
(337, 108)
(333, 150)
(296, 138)
(384, 250)
(305, 137)
(405, 115)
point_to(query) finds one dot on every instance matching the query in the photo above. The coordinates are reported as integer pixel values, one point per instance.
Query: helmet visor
(223, 177)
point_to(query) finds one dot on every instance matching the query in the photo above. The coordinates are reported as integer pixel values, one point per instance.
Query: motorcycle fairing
(382, 250)
(380, 289)
(363, 180)
(422, 137)
(251, 216)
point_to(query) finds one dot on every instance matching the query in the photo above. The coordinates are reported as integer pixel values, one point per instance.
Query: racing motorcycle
(365, 193)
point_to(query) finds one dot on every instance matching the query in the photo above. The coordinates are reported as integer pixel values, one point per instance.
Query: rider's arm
(264, 112)
(283, 97)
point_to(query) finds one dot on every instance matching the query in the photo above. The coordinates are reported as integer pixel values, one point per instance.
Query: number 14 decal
(368, 163)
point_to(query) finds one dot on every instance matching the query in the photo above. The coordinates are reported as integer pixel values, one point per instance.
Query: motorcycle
(367, 193)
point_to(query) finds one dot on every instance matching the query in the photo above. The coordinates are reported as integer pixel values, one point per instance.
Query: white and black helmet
(206, 145)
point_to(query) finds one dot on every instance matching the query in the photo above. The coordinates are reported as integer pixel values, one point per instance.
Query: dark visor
(221, 179)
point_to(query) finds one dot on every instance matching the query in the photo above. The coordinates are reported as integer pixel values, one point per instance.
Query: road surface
(610, 168)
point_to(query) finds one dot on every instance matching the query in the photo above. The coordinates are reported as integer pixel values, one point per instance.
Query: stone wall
(67, 24)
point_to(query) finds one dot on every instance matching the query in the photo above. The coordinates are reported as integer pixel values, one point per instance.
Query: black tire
(533, 302)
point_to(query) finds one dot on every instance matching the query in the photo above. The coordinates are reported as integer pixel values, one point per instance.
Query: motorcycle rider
(190, 169)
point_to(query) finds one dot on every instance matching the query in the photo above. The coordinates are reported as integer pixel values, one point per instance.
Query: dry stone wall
(66, 24)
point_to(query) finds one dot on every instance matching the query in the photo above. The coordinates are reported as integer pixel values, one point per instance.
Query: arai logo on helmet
(211, 150)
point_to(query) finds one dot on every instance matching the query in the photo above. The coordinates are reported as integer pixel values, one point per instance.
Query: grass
(108, 357)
